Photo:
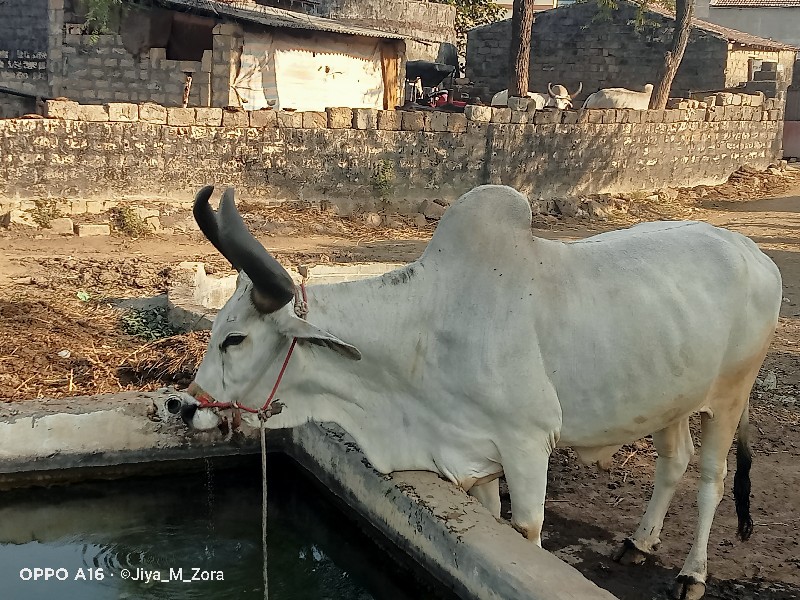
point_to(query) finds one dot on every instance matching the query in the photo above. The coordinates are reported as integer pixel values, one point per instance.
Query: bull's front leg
(525, 465)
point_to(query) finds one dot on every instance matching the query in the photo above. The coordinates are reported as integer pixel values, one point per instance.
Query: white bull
(620, 98)
(557, 97)
(496, 347)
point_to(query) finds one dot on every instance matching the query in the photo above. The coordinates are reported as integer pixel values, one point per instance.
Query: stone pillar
(226, 51)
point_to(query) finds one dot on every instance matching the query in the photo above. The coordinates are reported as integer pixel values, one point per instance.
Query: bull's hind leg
(675, 449)
(717, 436)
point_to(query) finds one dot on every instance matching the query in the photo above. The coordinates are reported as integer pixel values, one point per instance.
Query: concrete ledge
(448, 533)
(452, 535)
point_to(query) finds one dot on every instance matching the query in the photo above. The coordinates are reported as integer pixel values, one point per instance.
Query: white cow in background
(620, 98)
(496, 347)
(557, 97)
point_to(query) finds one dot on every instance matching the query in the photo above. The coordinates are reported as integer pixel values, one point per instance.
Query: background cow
(557, 97)
(620, 98)
(495, 347)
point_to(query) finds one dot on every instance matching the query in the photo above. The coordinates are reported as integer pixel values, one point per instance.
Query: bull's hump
(490, 219)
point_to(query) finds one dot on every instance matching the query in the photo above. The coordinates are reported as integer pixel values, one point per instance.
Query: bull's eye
(233, 339)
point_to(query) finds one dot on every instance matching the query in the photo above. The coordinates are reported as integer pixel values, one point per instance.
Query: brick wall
(99, 69)
(577, 43)
(147, 149)
(24, 45)
(488, 50)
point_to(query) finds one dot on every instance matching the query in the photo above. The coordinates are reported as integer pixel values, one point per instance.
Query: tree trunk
(684, 11)
(520, 56)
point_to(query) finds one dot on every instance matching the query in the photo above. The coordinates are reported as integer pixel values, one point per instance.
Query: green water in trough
(203, 526)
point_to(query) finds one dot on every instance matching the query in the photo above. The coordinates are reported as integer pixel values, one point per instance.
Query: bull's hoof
(629, 554)
(688, 588)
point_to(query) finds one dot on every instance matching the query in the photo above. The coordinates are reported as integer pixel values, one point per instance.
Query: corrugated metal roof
(276, 17)
(732, 35)
(755, 4)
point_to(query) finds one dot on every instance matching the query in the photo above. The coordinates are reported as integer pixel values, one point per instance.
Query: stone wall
(363, 159)
(578, 43)
(101, 68)
(24, 45)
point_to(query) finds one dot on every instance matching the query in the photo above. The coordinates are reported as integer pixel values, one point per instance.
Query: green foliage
(127, 221)
(99, 14)
(640, 20)
(383, 177)
(472, 13)
(44, 211)
(148, 323)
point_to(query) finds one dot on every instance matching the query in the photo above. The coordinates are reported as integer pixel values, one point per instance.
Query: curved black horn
(580, 89)
(206, 219)
(273, 288)
(550, 89)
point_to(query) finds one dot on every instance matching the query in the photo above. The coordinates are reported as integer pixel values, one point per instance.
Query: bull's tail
(741, 480)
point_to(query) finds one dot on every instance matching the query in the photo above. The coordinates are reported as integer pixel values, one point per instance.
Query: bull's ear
(306, 332)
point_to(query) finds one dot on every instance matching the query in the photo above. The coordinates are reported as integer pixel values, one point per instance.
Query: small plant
(127, 221)
(99, 14)
(147, 323)
(383, 177)
(83, 296)
(44, 211)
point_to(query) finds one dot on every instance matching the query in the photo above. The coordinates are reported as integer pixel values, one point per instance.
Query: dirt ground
(63, 332)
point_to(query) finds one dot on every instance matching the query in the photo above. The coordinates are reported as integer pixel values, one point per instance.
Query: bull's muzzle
(183, 406)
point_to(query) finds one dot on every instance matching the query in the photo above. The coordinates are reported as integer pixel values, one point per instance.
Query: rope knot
(301, 308)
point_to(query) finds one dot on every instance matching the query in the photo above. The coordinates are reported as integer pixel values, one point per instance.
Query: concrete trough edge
(447, 532)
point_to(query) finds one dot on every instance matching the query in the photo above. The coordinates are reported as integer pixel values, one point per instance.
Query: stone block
(594, 116)
(724, 99)
(150, 112)
(756, 99)
(500, 115)
(61, 226)
(290, 120)
(520, 104)
(235, 118)
(208, 116)
(180, 117)
(77, 207)
(520, 118)
(365, 118)
(62, 109)
(481, 114)
(412, 121)
(124, 112)
(18, 217)
(88, 230)
(456, 123)
(543, 117)
(340, 117)
(569, 117)
(609, 116)
(438, 121)
(775, 115)
(94, 112)
(672, 115)
(315, 120)
(389, 120)
(712, 113)
(264, 117)
(655, 116)
(94, 207)
(431, 210)
(154, 223)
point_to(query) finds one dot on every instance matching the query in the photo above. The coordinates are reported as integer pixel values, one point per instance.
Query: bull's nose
(187, 412)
